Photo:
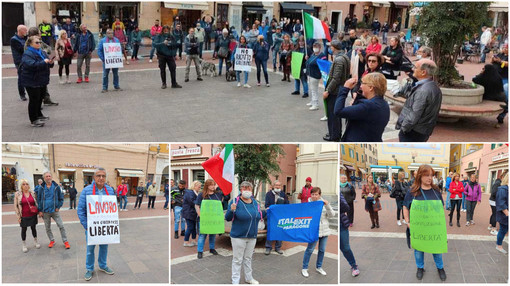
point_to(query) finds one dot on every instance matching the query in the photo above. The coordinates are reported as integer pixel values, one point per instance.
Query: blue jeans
(177, 218)
(448, 199)
(238, 76)
(151, 55)
(297, 85)
(276, 55)
(482, 58)
(277, 244)
(106, 73)
(125, 202)
(191, 229)
(221, 65)
(101, 259)
(201, 240)
(419, 257)
(345, 247)
(200, 49)
(166, 201)
(463, 201)
(263, 64)
(503, 229)
(320, 255)
(384, 37)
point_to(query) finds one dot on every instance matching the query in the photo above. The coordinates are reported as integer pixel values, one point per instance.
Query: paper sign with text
(212, 219)
(112, 55)
(242, 59)
(428, 226)
(102, 220)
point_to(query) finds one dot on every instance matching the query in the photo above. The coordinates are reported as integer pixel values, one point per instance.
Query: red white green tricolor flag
(315, 28)
(221, 168)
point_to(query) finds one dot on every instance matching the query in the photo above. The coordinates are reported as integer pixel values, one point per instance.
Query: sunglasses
(372, 61)
(37, 43)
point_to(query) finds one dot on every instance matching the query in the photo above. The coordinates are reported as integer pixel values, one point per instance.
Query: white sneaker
(399, 223)
(489, 228)
(472, 222)
(314, 107)
(238, 84)
(268, 85)
(37, 245)
(305, 272)
(501, 250)
(309, 104)
(404, 221)
(125, 210)
(247, 86)
(467, 223)
(252, 281)
(186, 244)
(150, 61)
(24, 247)
(494, 232)
(321, 271)
(324, 118)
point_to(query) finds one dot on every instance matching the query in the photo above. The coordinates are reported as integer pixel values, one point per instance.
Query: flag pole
(304, 30)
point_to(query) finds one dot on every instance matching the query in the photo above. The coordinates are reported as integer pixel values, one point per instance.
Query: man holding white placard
(110, 53)
(98, 200)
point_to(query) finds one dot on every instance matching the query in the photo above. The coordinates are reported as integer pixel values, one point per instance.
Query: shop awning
(350, 168)
(66, 170)
(362, 171)
(199, 5)
(296, 7)
(342, 167)
(130, 173)
(401, 4)
(381, 4)
(88, 170)
(498, 7)
(255, 10)
(469, 170)
(379, 170)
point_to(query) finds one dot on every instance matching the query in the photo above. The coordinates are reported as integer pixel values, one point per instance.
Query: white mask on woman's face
(246, 194)
(316, 50)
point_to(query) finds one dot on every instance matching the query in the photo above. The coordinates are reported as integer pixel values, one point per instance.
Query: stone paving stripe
(77, 221)
(403, 235)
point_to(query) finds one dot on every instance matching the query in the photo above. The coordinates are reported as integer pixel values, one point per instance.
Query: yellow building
(457, 151)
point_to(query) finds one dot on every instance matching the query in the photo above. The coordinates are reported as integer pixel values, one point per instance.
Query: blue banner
(324, 67)
(294, 222)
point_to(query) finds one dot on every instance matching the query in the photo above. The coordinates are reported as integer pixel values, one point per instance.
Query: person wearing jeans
(303, 79)
(344, 236)
(261, 54)
(106, 71)
(155, 31)
(152, 195)
(241, 45)
(167, 194)
(189, 213)
(84, 46)
(324, 232)
(177, 205)
(502, 212)
(473, 193)
(208, 193)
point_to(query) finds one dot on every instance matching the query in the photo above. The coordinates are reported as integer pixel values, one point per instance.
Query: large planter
(468, 96)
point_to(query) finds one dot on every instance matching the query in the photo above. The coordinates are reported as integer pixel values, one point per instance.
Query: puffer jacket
(421, 109)
(17, 202)
(327, 212)
(188, 205)
(348, 192)
(344, 208)
(338, 73)
(82, 203)
(169, 50)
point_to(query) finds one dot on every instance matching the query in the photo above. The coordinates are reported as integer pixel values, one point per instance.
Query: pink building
(487, 163)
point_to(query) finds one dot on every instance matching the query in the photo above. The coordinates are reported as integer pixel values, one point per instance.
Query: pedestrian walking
(166, 47)
(314, 75)
(106, 71)
(241, 45)
(285, 50)
(17, 49)
(502, 212)
(167, 194)
(473, 193)
(64, 55)
(189, 213)
(208, 193)
(324, 232)
(49, 201)
(371, 194)
(140, 190)
(98, 188)
(245, 214)
(156, 30)
(122, 192)
(84, 46)
(275, 197)
(25, 206)
(192, 48)
(72, 196)
(152, 195)
(423, 189)
(261, 55)
(177, 205)
(344, 236)
(398, 193)
(492, 203)
(456, 190)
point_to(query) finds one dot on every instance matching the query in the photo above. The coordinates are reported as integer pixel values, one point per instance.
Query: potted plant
(444, 25)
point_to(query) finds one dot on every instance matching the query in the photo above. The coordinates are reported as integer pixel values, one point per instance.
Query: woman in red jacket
(374, 46)
(456, 189)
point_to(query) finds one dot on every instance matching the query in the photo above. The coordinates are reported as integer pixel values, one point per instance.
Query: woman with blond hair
(25, 206)
(189, 213)
(208, 193)
(64, 55)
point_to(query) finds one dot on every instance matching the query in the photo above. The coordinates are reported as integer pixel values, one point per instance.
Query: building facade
(457, 151)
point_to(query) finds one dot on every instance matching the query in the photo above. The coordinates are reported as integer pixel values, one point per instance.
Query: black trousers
(169, 61)
(72, 203)
(136, 47)
(60, 67)
(152, 199)
(350, 213)
(24, 232)
(138, 201)
(455, 204)
(412, 136)
(21, 89)
(492, 220)
(35, 99)
(334, 125)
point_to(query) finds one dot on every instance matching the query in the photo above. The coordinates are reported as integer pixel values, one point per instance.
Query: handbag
(406, 90)
(223, 52)
(33, 209)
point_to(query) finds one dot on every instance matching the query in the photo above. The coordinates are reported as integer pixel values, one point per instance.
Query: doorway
(336, 21)
(12, 16)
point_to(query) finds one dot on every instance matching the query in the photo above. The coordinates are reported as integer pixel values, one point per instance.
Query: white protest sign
(112, 55)
(102, 220)
(242, 59)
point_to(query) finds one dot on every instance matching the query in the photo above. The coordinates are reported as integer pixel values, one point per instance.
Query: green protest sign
(428, 226)
(212, 220)
(295, 64)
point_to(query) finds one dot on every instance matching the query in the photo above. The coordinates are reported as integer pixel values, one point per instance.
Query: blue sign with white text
(294, 222)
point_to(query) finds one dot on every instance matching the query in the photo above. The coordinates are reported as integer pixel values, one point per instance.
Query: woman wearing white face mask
(275, 197)
(324, 232)
(314, 74)
(245, 214)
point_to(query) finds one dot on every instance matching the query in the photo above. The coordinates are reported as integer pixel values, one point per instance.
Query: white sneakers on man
(321, 271)
(238, 84)
(305, 272)
(247, 86)
(324, 118)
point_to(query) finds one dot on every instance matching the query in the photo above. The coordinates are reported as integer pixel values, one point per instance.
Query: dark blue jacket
(49, 199)
(270, 198)
(91, 43)
(260, 52)
(69, 29)
(188, 205)
(312, 68)
(82, 203)
(502, 204)
(366, 120)
(344, 208)
(34, 71)
(246, 218)
(17, 48)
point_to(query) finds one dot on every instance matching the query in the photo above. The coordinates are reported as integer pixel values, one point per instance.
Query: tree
(445, 25)
(256, 162)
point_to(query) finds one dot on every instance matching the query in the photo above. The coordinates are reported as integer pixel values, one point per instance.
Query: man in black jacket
(72, 196)
(421, 110)
(274, 197)
(18, 48)
(176, 205)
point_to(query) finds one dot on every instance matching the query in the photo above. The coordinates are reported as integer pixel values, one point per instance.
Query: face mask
(277, 190)
(418, 57)
(316, 50)
(246, 194)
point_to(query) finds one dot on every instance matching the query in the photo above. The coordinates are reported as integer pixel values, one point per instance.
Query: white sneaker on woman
(399, 223)
(252, 281)
(309, 104)
(494, 232)
(321, 271)
(305, 272)
(238, 84)
(313, 107)
(247, 86)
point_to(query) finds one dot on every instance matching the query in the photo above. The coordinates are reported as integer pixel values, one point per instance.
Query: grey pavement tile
(496, 279)
(469, 278)
(392, 275)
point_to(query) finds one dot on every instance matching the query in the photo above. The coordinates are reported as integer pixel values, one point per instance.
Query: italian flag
(315, 28)
(221, 168)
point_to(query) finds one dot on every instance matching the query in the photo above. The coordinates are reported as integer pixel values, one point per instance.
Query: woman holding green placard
(425, 196)
(245, 214)
(208, 193)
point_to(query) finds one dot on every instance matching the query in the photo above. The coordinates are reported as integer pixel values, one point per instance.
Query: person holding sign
(208, 193)
(371, 195)
(110, 53)
(424, 203)
(242, 57)
(261, 53)
(245, 214)
(299, 67)
(97, 188)
(324, 232)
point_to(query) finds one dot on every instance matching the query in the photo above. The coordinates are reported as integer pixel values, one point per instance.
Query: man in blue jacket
(50, 199)
(18, 48)
(98, 187)
(106, 72)
(84, 46)
(275, 197)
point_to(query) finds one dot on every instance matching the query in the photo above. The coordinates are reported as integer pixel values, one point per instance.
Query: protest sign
(295, 64)
(112, 55)
(324, 67)
(102, 220)
(212, 220)
(242, 59)
(428, 226)
(294, 222)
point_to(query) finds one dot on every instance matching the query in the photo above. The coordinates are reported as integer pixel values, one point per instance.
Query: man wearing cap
(306, 192)
(338, 74)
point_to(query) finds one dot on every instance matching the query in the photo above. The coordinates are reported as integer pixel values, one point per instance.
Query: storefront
(294, 10)
(131, 177)
(384, 172)
(349, 171)
(253, 11)
(187, 163)
(66, 176)
(188, 12)
(398, 13)
(109, 10)
(496, 167)
(64, 10)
